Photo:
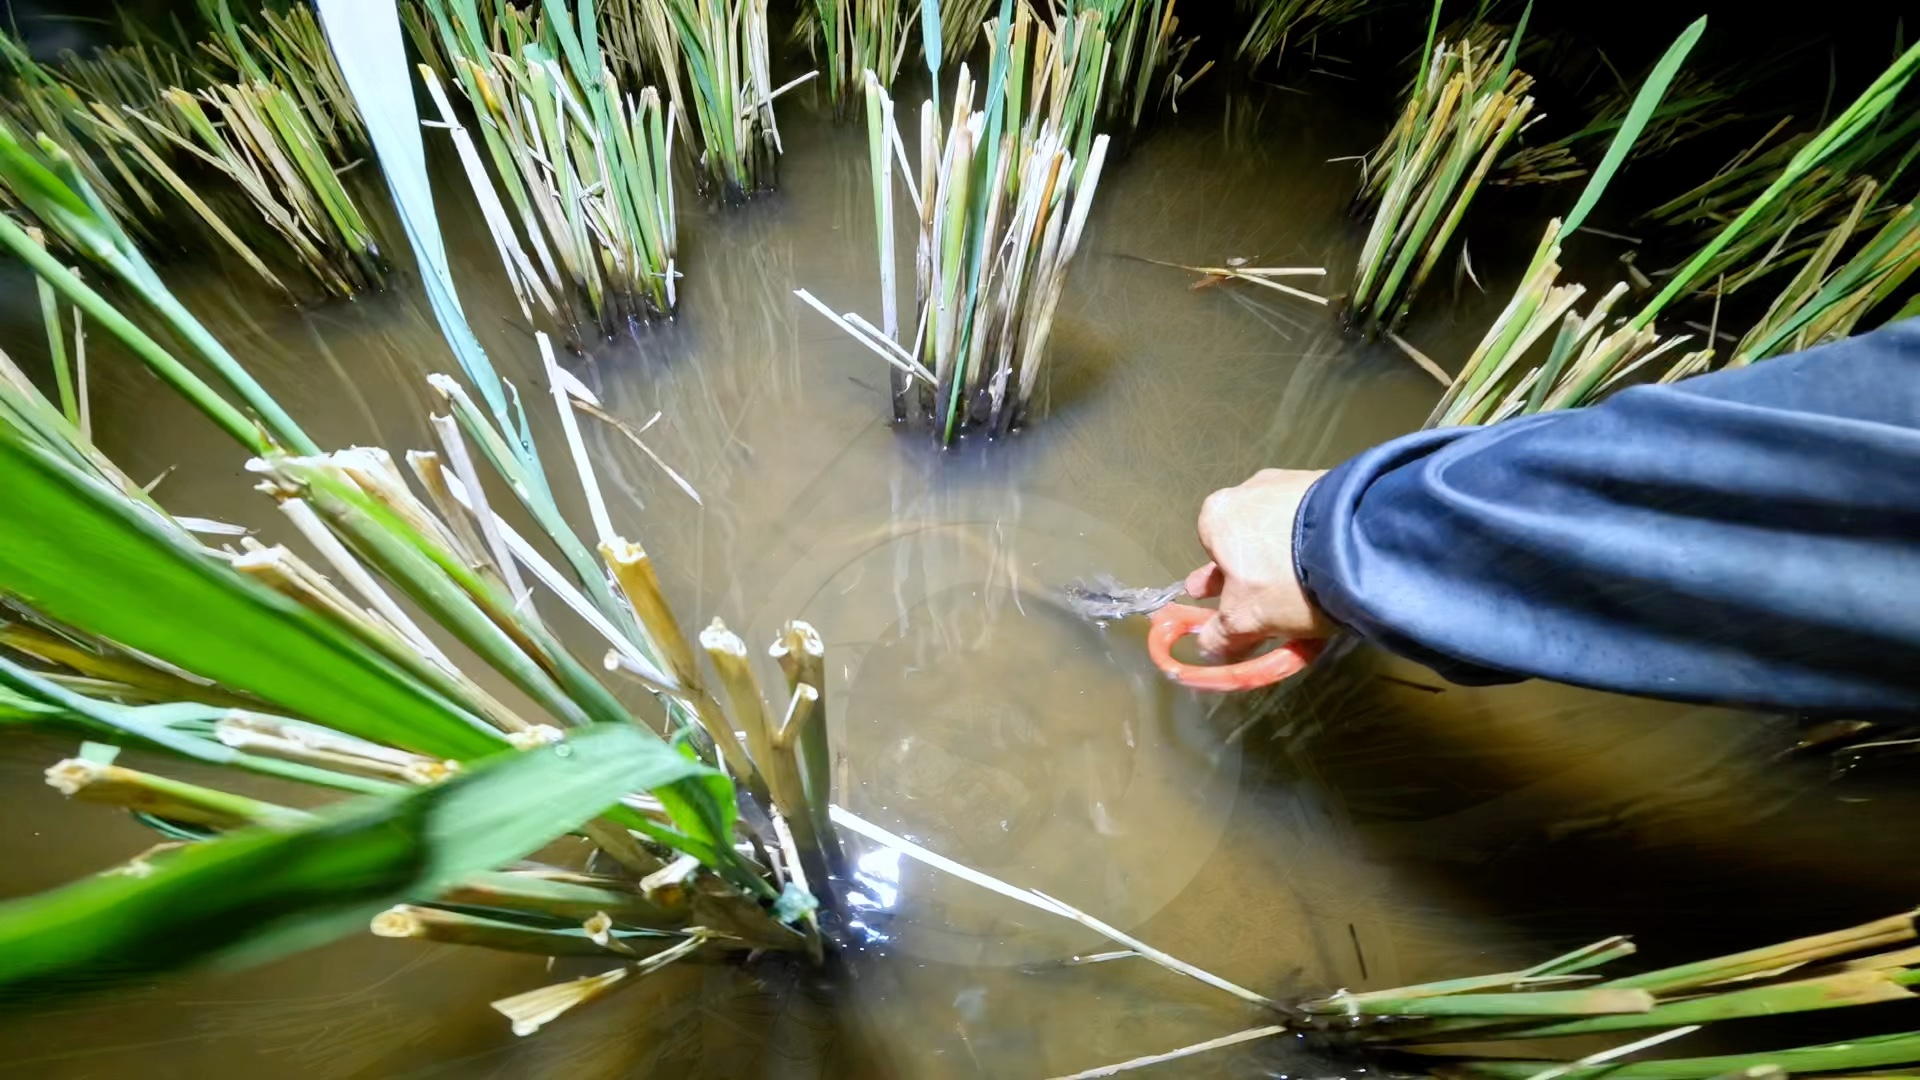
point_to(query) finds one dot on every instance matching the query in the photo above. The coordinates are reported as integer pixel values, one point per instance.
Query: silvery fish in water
(1103, 599)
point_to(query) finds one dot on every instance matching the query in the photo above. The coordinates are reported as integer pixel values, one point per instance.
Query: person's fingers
(1218, 640)
(1206, 581)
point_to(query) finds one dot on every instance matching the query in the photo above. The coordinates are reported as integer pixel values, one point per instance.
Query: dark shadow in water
(1686, 828)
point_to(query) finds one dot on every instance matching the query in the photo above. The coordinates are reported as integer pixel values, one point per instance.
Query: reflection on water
(1349, 830)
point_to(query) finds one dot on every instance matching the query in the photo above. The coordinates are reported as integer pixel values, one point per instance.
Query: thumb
(1207, 581)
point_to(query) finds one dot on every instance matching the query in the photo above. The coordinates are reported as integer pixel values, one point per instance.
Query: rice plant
(1280, 24)
(1466, 106)
(41, 102)
(1588, 357)
(712, 56)
(1478, 1017)
(314, 673)
(139, 142)
(962, 22)
(288, 50)
(1145, 59)
(1699, 105)
(1001, 201)
(258, 136)
(1466, 1028)
(1792, 225)
(850, 37)
(1824, 301)
(586, 166)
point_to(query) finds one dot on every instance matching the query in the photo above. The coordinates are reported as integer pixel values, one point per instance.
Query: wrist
(1305, 519)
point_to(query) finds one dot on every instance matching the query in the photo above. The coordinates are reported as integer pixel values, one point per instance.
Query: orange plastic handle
(1175, 621)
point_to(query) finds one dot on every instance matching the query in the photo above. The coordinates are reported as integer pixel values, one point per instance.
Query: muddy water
(1354, 830)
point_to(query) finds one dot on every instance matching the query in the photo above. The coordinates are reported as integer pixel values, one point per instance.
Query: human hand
(1248, 531)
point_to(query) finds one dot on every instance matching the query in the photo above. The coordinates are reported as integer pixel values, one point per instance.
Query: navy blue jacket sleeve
(1747, 537)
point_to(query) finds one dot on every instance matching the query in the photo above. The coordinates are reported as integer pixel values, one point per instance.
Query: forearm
(1749, 537)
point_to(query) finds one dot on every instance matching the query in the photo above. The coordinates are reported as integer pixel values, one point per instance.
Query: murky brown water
(1347, 831)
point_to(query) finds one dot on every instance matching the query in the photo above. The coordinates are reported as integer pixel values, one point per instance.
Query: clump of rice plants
(288, 50)
(1146, 56)
(585, 164)
(1002, 199)
(1792, 226)
(1465, 1028)
(1281, 24)
(1824, 301)
(41, 102)
(1586, 359)
(712, 56)
(850, 37)
(1588, 354)
(146, 139)
(1466, 106)
(259, 136)
(1563, 998)
(313, 673)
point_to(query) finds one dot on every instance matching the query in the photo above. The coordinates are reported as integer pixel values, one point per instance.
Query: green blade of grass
(1834, 992)
(1638, 116)
(1869, 1053)
(265, 891)
(84, 555)
(154, 727)
(149, 351)
(930, 42)
(1873, 103)
(367, 45)
(1544, 1003)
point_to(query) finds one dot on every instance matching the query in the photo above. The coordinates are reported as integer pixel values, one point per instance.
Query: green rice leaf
(262, 892)
(1513, 44)
(1425, 59)
(366, 43)
(1870, 1053)
(1866, 112)
(83, 554)
(28, 699)
(1638, 116)
(930, 41)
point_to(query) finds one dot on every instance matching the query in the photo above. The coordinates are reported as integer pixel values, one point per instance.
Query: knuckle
(1238, 621)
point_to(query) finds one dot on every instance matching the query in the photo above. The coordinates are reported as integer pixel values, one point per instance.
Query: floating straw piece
(877, 342)
(593, 409)
(1220, 1043)
(535, 1008)
(848, 819)
(1426, 363)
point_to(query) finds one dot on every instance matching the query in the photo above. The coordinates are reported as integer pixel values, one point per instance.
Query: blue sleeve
(1748, 537)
